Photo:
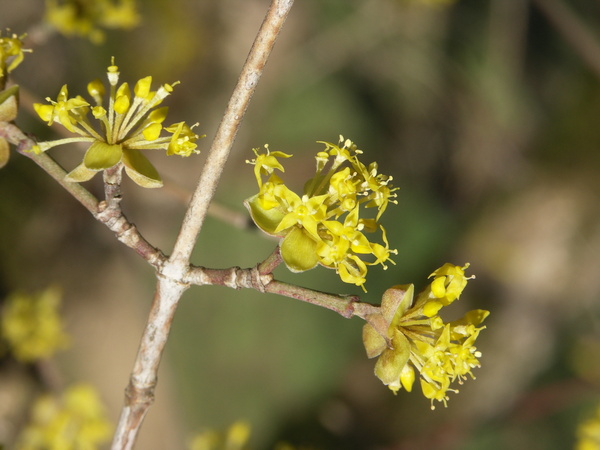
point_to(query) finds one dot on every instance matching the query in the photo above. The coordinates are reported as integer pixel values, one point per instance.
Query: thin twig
(238, 219)
(227, 131)
(24, 143)
(113, 218)
(272, 261)
(256, 278)
(343, 305)
(139, 394)
(112, 186)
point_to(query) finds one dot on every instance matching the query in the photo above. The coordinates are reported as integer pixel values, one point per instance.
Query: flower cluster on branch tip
(324, 225)
(85, 17)
(410, 335)
(129, 124)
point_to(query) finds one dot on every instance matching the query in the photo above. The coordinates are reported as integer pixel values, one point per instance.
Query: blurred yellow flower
(85, 17)
(74, 421)
(588, 433)
(234, 438)
(31, 325)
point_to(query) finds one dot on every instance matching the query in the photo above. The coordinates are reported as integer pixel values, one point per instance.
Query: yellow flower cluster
(409, 336)
(130, 124)
(588, 433)
(11, 53)
(84, 17)
(74, 421)
(235, 438)
(31, 326)
(324, 225)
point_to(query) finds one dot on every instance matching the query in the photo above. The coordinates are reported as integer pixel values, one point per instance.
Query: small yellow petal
(152, 131)
(142, 87)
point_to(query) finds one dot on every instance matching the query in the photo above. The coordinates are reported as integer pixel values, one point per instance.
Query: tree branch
(228, 128)
(110, 214)
(345, 305)
(24, 143)
(139, 394)
(140, 391)
(112, 217)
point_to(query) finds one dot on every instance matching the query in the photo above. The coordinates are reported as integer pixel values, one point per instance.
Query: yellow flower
(588, 433)
(75, 420)
(265, 164)
(11, 53)
(31, 325)
(407, 337)
(235, 438)
(323, 225)
(447, 285)
(132, 122)
(84, 17)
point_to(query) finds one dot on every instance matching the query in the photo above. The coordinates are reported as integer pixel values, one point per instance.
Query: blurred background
(486, 113)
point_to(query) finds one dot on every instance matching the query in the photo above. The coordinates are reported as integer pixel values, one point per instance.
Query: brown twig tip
(271, 262)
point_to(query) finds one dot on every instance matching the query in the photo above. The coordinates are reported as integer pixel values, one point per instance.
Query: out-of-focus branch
(574, 30)
(237, 219)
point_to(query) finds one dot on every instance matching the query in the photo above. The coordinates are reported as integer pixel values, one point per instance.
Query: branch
(272, 261)
(228, 128)
(237, 219)
(112, 217)
(139, 394)
(345, 305)
(24, 143)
